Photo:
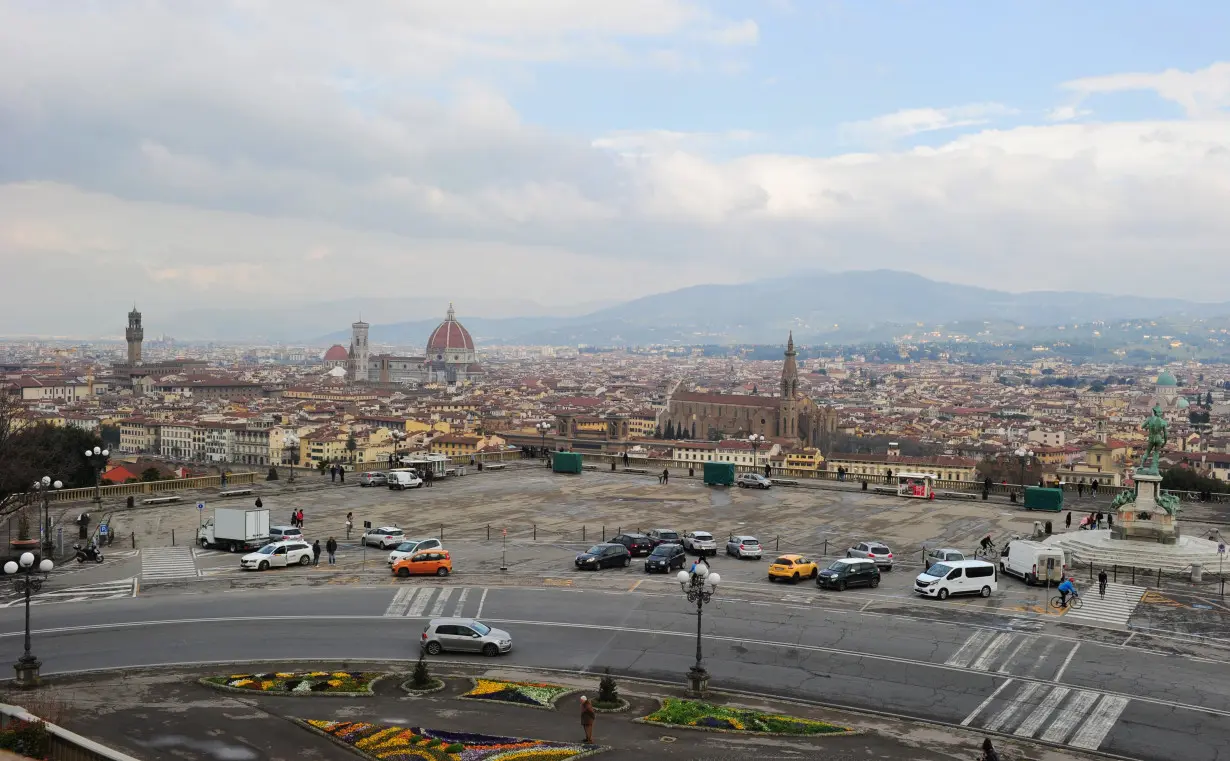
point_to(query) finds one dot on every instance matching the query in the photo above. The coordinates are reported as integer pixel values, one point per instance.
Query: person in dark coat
(587, 720)
(316, 552)
(259, 503)
(294, 517)
(341, 473)
(333, 474)
(666, 476)
(1067, 522)
(331, 548)
(988, 751)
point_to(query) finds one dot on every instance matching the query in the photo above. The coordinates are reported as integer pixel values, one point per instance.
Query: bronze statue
(1155, 425)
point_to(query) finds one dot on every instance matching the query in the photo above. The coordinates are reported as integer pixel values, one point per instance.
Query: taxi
(793, 567)
(434, 562)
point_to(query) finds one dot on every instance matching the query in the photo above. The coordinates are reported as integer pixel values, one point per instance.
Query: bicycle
(986, 553)
(1102, 589)
(1074, 602)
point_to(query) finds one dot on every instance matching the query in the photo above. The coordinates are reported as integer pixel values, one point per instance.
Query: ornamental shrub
(29, 738)
(422, 677)
(608, 690)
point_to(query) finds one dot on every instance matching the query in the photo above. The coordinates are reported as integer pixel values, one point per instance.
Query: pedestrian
(331, 548)
(299, 517)
(259, 503)
(341, 473)
(1067, 522)
(768, 470)
(332, 474)
(1099, 523)
(316, 552)
(587, 720)
(1110, 520)
(666, 476)
(294, 518)
(1093, 488)
(988, 751)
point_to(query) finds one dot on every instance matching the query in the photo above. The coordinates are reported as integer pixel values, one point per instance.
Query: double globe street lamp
(699, 585)
(97, 457)
(45, 485)
(755, 440)
(25, 583)
(543, 427)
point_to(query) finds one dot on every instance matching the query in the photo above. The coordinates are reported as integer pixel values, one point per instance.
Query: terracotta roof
(450, 334)
(738, 400)
(337, 353)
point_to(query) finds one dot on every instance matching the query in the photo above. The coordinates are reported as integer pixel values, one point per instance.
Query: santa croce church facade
(789, 416)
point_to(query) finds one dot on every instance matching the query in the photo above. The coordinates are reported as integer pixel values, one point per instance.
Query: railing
(63, 745)
(152, 487)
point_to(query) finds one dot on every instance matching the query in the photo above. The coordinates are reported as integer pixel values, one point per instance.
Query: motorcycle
(89, 552)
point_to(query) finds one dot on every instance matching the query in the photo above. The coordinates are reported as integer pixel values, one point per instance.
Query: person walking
(299, 518)
(587, 720)
(331, 548)
(333, 474)
(341, 473)
(294, 517)
(1067, 522)
(1093, 488)
(1080, 490)
(316, 552)
(666, 476)
(988, 751)
(349, 523)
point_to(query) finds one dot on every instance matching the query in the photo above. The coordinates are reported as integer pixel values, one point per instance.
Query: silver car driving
(464, 635)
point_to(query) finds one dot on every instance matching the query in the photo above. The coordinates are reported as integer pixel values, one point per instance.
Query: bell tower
(788, 421)
(357, 369)
(135, 334)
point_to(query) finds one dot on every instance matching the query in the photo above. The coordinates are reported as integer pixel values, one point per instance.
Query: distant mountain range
(844, 307)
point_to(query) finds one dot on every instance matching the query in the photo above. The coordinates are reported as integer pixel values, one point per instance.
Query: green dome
(1166, 379)
(1182, 403)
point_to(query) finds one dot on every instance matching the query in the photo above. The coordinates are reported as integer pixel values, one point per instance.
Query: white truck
(235, 529)
(1028, 560)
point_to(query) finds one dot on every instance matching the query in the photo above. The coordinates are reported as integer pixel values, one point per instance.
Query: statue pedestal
(1144, 520)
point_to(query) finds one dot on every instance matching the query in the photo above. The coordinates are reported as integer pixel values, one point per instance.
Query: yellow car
(793, 567)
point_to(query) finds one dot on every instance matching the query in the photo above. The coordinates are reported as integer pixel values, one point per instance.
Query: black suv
(637, 544)
(604, 556)
(849, 572)
(663, 536)
(665, 557)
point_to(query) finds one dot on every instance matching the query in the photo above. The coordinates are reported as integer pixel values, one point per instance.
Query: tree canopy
(29, 452)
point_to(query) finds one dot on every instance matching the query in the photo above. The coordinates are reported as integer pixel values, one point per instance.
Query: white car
(700, 542)
(384, 537)
(411, 546)
(277, 555)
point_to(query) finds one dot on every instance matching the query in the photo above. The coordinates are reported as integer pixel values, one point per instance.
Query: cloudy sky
(221, 153)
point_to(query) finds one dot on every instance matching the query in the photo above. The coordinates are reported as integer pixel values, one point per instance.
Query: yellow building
(458, 445)
(138, 435)
(808, 460)
(332, 445)
(426, 426)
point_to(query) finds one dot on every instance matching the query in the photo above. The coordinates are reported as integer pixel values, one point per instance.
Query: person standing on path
(316, 552)
(666, 476)
(294, 518)
(988, 751)
(1067, 522)
(587, 720)
(259, 504)
(1080, 490)
(341, 473)
(331, 548)
(332, 474)
(299, 518)
(349, 523)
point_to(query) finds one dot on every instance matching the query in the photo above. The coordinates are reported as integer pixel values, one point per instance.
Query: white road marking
(1071, 713)
(968, 651)
(461, 601)
(1066, 661)
(1040, 661)
(1016, 705)
(437, 610)
(106, 590)
(992, 651)
(401, 601)
(1094, 729)
(1116, 609)
(481, 602)
(1046, 706)
(1003, 668)
(421, 601)
(168, 563)
(974, 714)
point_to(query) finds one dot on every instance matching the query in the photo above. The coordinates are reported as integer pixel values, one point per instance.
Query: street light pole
(97, 457)
(699, 586)
(543, 427)
(45, 485)
(755, 440)
(27, 665)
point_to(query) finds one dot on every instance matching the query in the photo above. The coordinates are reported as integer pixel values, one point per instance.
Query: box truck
(566, 462)
(235, 529)
(719, 473)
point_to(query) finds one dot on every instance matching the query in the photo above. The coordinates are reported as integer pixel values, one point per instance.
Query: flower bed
(532, 694)
(698, 715)
(350, 683)
(388, 743)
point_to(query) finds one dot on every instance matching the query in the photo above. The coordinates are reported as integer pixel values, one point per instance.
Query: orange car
(793, 568)
(437, 562)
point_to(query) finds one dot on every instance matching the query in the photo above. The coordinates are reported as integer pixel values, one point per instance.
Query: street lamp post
(543, 427)
(699, 586)
(27, 665)
(45, 485)
(1023, 455)
(755, 440)
(97, 457)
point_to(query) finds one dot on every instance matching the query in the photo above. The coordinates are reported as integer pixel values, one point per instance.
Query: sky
(222, 154)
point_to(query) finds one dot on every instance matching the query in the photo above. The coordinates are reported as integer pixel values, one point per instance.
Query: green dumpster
(719, 474)
(1043, 498)
(566, 462)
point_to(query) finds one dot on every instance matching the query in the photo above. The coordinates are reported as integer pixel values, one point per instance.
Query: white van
(957, 577)
(404, 479)
(1028, 560)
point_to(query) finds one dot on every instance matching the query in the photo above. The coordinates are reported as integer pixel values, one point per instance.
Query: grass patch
(693, 713)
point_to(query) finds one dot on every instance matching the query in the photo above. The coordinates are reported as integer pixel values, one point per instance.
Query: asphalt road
(1031, 684)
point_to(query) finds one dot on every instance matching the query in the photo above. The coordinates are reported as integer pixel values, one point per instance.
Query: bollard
(1091, 571)
(864, 484)
(1133, 575)
(1197, 573)
(582, 532)
(441, 533)
(535, 532)
(488, 532)
(604, 533)
(172, 537)
(1159, 578)
(133, 537)
(826, 546)
(1116, 572)
(777, 546)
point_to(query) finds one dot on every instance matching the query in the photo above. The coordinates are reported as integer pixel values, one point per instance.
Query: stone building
(450, 358)
(789, 416)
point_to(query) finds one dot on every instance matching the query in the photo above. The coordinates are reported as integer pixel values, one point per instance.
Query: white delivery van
(957, 577)
(1028, 560)
(404, 479)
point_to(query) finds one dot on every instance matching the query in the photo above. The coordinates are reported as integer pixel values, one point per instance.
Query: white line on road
(1016, 705)
(968, 651)
(1046, 706)
(1042, 659)
(992, 651)
(1003, 668)
(437, 610)
(1094, 729)
(1066, 661)
(421, 601)
(461, 601)
(401, 601)
(481, 602)
(1072, 713)
(973, 715)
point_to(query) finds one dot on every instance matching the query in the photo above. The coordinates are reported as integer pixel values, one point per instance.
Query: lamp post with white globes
(543, 427)
(97, 458)
(699, 585)
(45, 485)
(25, 583)
(755, 440)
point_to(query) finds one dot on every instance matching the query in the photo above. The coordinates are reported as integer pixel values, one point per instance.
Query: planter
(619, 707)
(436, 686)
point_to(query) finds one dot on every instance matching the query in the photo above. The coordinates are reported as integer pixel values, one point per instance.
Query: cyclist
(1102, 582)
(1066, 588)
(987, 544)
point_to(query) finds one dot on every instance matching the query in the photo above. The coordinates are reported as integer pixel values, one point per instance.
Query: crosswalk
(168, 563)
(436, 602)
(107, 590)
(1011, 653)
(1079, 718)
(1116, 610)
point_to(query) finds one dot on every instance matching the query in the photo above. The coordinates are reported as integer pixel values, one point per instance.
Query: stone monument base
(1144, 520)
(1099, 548)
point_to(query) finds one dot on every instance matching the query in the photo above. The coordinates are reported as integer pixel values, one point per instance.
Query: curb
(624, 705)
(439, 686)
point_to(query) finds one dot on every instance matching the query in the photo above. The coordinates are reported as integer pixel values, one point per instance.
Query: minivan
(957, 577)
(404, 479)
(1028, 560)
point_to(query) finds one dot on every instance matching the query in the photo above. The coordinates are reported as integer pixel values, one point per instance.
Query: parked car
(877, 551)
(464, 635)
(384, 537)
(665, 558)
(285, 534)
(637, 544)
(662, 536)
(849, 572)
(753, 481)
(942, 555)
(605, 555)
(700, 542)
(743, 547)
(793, 568)
(278, 555)
(957, 577)
(410, 546)
(404, 479)
(1028, 560)
(436, 562)
(373, 478)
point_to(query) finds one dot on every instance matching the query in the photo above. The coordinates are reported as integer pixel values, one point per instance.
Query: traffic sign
(1221, 549)
(102, 530)
(200, 506)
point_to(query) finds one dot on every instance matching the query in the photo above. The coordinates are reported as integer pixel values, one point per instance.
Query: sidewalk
(163, 714)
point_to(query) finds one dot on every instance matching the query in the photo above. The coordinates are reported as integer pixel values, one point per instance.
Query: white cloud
(912, 121)
(1203, 94)
(745, 32)
(1066, 113)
